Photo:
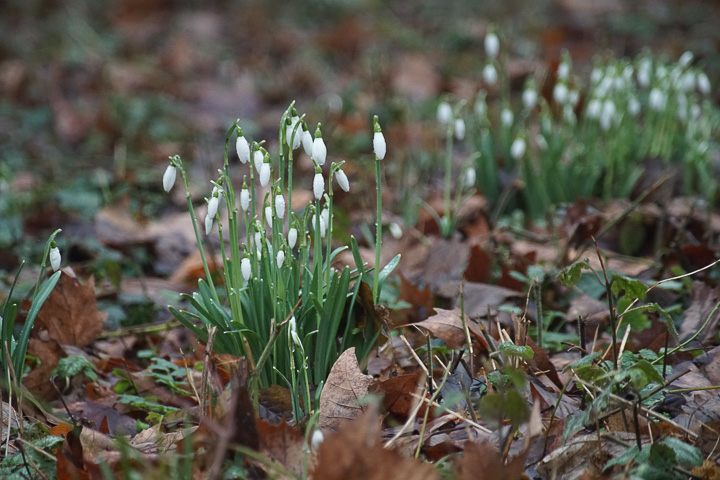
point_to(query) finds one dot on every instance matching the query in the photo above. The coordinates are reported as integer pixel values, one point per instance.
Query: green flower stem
(43, 264)
(446, 223)
(378, 231)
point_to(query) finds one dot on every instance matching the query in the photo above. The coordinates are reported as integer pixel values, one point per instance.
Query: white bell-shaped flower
(258, 157)
(245, 198)
(318, 184)
(342, 180)
(319, 150)
(379, 146)
(444, 113)
(292, 237)
(307, 140)
(517, 149)
(54, 257)
(169, 177)
(490, 74)
(507, 117)
(492, 45)
(208, 224)
(242, 147)
(459, 128)
(245, 268)
(280, 258)
(280, 206)
(265, 172)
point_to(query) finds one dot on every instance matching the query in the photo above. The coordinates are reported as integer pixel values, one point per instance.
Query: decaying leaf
(356, 452)
(448, 326)
(283, 444)
(397, 393)
(342, 395)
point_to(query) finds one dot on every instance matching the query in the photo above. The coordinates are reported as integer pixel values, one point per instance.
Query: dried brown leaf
(341, 396)
(448, 326)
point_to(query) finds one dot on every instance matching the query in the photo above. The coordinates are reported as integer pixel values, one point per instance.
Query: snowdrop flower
(319, 150)
(258, 157)
(213, 203)
(245, 268)
(323, 226)
(469, 177)
(258, 238)
(596, 76)
(682, 107)
(169, 177)
(695, 111)
(325, 216)
(290, 131)
(268, 215)
(307, 140)
(517, 149)
(507, 117)
(569, 114)
(560, 93)
(480, 106)
(280, 259)
(318, 183)
(490, 74)
(208, 224)
(492, 45)
(703, 83)
(563, 71)
(395, 230)
(316, 439)
(279, 205)
(292, 237)
(627, 73)
(459, 129)
(342, 180)
(685, 59)
(444, 113)
(608, 114)
(242, 147)
(293, 333)
(379, 146)
(573, 97)
(529, 98)
(265, 171)
(687, 82)
(54, 256)
(656, 99)
(633, 106)
(594, 108)
(541, 142)
(244, 197)
(643, 73)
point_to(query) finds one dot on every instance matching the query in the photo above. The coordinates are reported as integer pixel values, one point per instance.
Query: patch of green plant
(18, 467)
(69, 367)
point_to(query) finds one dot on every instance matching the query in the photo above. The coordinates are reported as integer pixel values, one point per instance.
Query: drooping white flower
(316, 439)
(517, 149)
(492, 45)
(395, 230)
(379, 146)
(560, 93)
(459, 128)
(307, 140)
(490, 74)
(322, 225)
(444, 113)
(633, 106)
(529, 98)
(695, 111)
(563, 70)
(293, 136)
(682, 107)
(280, 206)
(573, 97)
(480, 106)
(319, 150)
(325, 215)
(245, 198)
(685, 59)
(318, 184)
(245, 268)
(507, 117)
(268, 215)
(292, 237)
(595, 76)
(242, 147)
(541, 142)
(213, 205)
(258, 239)
(293, 333)
(643, 73)
(342, 180)
(594, 108)
(169, 177)
(265, 172)
(469, 177)
(280, 258)
(607, 116)
(703, 83)
(54, 257)
(656, 99)
(258, 157)
(208, 224)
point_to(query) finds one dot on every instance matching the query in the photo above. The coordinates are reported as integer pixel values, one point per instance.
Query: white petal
(208, 224)
(292, 237)
(55, 258)
(169, 178)
(264, 174)
(379, 146)
(245, 268)
(245, 199)
(213, 205)
(318, 185)
(342, 180)
(243, 149)
(319, 151)
(279, 206)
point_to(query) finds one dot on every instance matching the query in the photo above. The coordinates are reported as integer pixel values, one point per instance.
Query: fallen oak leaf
(447, 325)
(343, 392)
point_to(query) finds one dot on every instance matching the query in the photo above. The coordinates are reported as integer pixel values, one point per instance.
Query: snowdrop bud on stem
(490, 74)
(242, 147)
(507, 117)
(279, 205)
(607, 116)
(213, 204)
(529, 98)
(258, 157)
(379, 146)
(290, 131)
(169, 177)
(280, 259)
(265, 171)
(469, 177)
(560, 93)
(245, 268)
(307, 140)
(318, 183)
(517, 149)
(656, 99)
(316, 439)
(342, 180)
(444, 113)
(703, 83)
(294, 334)
(54, 256)
(685, 59)
(244, 197)
(492, 45)
(292, 237)
(319, 150)
(459, 128)
(268, 214)
(208, 224)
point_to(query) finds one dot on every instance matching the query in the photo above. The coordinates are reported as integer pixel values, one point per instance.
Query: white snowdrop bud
(607, 116)
(596, 76)
(529, 98)
(169, 177)
(54, 256)
(492, 45)
(618, 84)
(258, 240)
(560, 93)
(342, 180)
(695, 111)
(517, 149)
(563, 70)
(292, 237)
(379, 146)
(315, 225)
(318, 184)
(573, 97)
(541, 142)
(703, 83)
(325, 216)
(395, 230)
(682, 107)
(294, 334)
(469, 177)
(245, 198)
(265, 172)
(290, 131)
(242, 147)
(319, 150)
(444, 113)
(208, 224)
(594, 108)
(490, 74)
(633, 106)
(507, 117)
(268, 214)
(213, 205)
(316, 439)
(307, 141)
(685, 59)
(687, 82)
(656, 99)
(604, 87)
(279, 206)
(280, 259)
(245, 268)
(258, 157)
(459, 129)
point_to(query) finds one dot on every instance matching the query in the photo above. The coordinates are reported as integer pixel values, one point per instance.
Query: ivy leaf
(632, 287)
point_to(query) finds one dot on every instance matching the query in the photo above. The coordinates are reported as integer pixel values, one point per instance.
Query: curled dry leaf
(341, 398)
(448, 326)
